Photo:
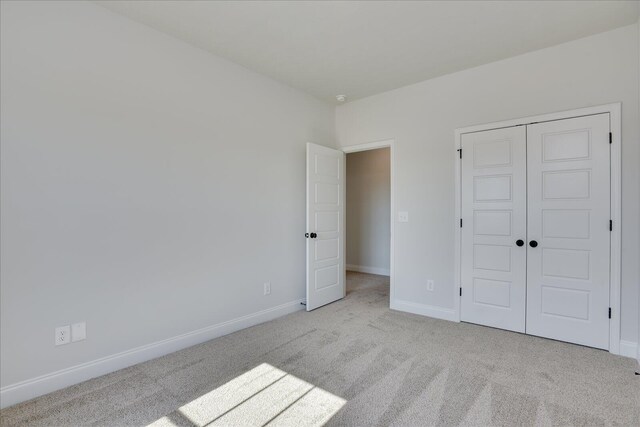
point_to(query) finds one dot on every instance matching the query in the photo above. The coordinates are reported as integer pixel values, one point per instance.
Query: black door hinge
(610, 138)
(461, 291)
(460, 222)
(610, 225)
(460, 152)
(609, 312)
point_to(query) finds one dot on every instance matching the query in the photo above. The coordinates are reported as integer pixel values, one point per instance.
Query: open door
(325, 225)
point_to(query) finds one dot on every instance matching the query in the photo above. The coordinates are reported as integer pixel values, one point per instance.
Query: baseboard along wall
(366, 269)
(31, 388)
(34, 387)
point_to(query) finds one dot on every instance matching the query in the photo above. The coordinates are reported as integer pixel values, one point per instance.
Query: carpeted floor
(391, 368)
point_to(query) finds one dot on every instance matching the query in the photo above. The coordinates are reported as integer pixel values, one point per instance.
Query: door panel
(568, 170)
(494, 218)
(325, 225)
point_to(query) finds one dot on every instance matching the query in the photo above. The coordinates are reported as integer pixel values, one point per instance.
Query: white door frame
(615, 123)
(388, 143)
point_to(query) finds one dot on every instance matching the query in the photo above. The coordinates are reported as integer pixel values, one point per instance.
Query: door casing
(614, 111)
(388, 143)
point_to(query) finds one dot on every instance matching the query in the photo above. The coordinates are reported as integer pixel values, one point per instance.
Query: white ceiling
(363, 48)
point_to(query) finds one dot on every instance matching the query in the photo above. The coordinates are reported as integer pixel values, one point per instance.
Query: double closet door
(536, 229)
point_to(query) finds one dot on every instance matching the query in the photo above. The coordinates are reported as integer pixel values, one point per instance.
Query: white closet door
(493, 275)
(568, 217)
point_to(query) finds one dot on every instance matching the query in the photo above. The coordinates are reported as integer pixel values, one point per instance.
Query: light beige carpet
(372, 365)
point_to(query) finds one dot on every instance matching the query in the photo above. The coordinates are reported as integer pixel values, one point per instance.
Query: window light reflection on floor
(261, 396)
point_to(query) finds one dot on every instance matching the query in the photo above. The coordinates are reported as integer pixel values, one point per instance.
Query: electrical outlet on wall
(430, 285)
(403, 216)
(78, 331)
(267, 288)
(63, 335)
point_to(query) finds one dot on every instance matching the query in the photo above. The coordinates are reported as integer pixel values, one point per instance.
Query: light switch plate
(78, 331)
(403, 216)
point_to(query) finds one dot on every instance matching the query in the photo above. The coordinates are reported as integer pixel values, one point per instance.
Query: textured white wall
(421, 119)
(368, 208)
(148, 187)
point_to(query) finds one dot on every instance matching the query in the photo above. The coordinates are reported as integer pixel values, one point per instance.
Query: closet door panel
(494, 217)
(568, 168)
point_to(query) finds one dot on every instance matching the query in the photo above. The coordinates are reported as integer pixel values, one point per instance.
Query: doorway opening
(368, 221)
(326, 225)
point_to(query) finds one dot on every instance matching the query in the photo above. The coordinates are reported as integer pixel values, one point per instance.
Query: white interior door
(493, 275)
(325, 225)
(568, 217)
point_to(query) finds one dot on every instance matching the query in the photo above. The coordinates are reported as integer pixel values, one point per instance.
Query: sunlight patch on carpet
(262, 396)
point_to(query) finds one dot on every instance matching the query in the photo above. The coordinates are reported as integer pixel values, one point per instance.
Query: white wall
(421, 118)
(368, 211)
(638, 342)
(141, 176)
(148, 187)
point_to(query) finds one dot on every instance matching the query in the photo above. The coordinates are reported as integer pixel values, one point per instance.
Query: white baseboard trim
(628, 349)
(425, 310)
(34, 387)
(370, 270)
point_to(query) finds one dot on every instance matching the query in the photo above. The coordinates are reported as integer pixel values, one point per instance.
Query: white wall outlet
(63, 335)
(78, 331)
(403, 216)
(430, 285)
(267, 288)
